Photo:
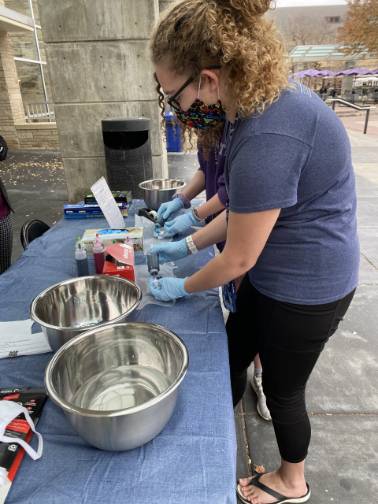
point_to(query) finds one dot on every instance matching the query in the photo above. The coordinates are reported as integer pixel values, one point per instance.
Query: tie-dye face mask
(202, 116)
(199, 115)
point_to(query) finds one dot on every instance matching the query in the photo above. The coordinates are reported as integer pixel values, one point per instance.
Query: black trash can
(128, 154)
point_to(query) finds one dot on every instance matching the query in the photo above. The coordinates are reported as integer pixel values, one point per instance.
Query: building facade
(19, 56)
(309, 24)
(28, 57)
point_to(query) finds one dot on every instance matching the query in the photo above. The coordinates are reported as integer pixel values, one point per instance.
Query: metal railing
(353, 106)
(40, 112)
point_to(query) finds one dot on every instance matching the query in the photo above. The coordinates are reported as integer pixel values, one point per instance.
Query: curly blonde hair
(194, 34)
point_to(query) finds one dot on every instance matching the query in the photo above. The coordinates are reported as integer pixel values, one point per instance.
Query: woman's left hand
(168, 289)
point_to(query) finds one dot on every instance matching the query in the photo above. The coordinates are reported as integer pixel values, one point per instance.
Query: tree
(360, 30)
(302, 30)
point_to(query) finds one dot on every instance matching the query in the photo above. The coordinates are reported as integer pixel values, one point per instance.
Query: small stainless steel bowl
(69, 308)
(118, 384)
(158, 191)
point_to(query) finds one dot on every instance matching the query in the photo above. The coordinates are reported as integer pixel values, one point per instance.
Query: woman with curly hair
(208, 177)
(290, 225)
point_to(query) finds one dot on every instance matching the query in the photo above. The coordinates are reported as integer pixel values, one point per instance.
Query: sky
(301, 3)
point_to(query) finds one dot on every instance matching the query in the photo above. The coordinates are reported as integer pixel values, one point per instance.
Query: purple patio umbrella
(312, 72)
(372, 72)
(326, 73)
(355, 71)
(345, 73)
(365, 71)
(299, 75)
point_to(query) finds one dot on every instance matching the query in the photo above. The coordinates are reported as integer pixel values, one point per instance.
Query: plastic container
(98, 254)
(173, 133)
(128, 154)
(153, 263)
(81, 260)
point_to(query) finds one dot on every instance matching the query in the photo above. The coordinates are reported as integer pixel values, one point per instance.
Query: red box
(119, 261)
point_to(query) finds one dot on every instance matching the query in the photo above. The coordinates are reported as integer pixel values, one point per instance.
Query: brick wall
(38, 136)
(10, 98)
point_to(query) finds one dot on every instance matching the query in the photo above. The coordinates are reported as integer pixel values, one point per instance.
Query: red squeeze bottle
(98, 254)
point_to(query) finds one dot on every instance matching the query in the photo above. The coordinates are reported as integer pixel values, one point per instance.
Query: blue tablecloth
(191, 462)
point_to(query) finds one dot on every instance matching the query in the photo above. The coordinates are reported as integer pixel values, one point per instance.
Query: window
(333, 19)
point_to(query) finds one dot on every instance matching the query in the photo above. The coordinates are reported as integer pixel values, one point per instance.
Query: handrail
(356, 107)
(347, 104)
(36, 112)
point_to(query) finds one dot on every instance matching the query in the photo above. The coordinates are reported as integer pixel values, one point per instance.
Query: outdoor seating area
(328, 83)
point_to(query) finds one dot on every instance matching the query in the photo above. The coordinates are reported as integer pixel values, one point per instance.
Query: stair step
(344, 113)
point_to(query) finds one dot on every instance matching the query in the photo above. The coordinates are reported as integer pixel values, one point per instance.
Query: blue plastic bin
(173, 133)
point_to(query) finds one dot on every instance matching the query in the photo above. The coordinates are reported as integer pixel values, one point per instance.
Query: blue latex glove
(181, 224)
(169, 208)
(168, 289)
(171, 251)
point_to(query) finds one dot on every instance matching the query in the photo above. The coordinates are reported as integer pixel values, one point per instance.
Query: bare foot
(274, 481)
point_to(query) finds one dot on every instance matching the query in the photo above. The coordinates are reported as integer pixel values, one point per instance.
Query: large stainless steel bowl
(158, 191)
(118, 384)
(69, 308)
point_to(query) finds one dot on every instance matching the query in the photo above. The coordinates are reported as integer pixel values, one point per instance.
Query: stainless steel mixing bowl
(158, 191)
(69, 308)
(118, 384)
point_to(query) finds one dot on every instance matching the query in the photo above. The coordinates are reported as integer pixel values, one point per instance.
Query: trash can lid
(126, 124)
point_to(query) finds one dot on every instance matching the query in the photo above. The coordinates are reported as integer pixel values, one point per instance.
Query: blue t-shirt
(296, 156)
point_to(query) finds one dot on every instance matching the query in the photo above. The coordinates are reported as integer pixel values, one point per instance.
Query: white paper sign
(16, 339)
(5, 487)
(108, 204)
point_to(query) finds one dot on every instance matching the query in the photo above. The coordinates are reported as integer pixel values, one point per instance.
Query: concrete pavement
(37, 189)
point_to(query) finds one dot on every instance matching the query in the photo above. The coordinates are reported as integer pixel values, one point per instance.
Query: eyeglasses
(173, 100)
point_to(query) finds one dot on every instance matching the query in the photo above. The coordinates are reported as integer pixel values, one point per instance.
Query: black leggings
(289, 338)
(6, 235)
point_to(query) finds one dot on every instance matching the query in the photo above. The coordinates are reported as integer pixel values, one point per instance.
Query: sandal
(280, 498)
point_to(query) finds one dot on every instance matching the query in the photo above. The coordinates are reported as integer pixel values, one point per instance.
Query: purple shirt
(213, 168)
(4, 209)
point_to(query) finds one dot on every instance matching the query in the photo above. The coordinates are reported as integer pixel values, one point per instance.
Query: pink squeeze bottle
(98, 254)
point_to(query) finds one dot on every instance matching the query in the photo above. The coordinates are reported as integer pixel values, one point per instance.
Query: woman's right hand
(181, 224)
(171, 251)
(169, 208)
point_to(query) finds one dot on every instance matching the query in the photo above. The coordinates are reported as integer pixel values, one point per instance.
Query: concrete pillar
(99, 66)
(347, 82)
(163, 4)
(11, 106)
